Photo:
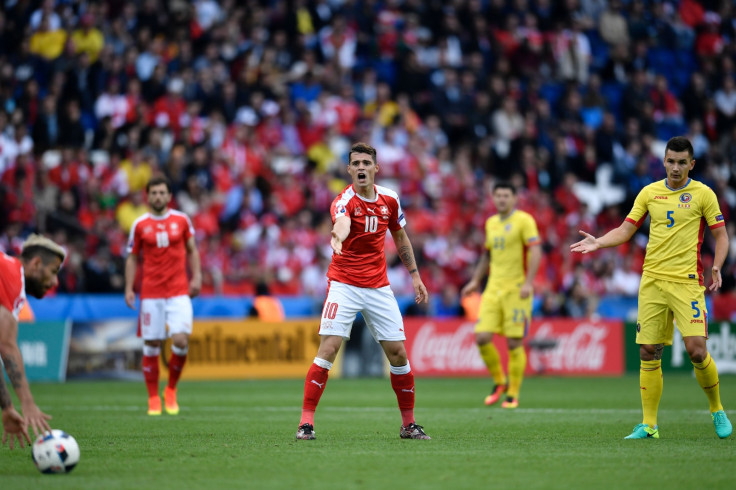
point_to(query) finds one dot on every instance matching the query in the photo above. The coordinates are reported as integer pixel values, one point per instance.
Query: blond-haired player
(34, 273)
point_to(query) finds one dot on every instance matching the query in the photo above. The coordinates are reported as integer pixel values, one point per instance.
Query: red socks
(403, 385)
(176, 365)
(150, 374)
(314, 386)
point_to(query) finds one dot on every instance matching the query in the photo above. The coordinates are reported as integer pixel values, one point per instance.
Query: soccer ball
(55, 452)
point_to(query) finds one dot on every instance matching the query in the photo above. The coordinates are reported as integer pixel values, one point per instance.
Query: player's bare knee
(651, 352)
(483, 338)
(697, 354)
(180, 341)
(329, 347)
(180, 344)
(514, 343)
(395, 352)
(397, 358)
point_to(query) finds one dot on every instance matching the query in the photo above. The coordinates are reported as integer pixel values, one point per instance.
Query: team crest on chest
(358, 212)
(384, 210)
(174, 227)
(507, 228)
(686, 197)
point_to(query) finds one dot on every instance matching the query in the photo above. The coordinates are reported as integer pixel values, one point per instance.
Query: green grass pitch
(567, 433)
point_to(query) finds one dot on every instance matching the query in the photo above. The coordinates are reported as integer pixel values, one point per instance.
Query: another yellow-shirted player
(672, 285)
(506, 304)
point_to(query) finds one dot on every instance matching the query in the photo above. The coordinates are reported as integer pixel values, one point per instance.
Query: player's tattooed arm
(405, 250)
(5, 400)
(12, 357)
(407, 257)
(15, 375)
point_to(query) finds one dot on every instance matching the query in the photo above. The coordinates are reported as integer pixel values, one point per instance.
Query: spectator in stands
(48, 41)
(613, 26)
(87, 38)
(266, 307)
(47, 129)
(725, 100)
(130, 210)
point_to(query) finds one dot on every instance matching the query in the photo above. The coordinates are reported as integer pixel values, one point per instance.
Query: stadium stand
(250, 107)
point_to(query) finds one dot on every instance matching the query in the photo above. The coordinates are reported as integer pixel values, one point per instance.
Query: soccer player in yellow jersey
(506, 304)
(672, 285)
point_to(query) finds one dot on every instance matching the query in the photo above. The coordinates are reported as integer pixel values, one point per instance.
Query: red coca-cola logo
(445, 351)
(583, 348)
(446, 347)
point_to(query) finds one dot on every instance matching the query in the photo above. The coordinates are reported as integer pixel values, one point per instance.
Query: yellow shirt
(508, 241)
(138, 175)
(127, 213)
(48, 44)
(678, 220)
(90, 42)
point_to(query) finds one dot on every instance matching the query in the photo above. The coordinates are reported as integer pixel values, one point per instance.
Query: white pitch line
(561, 411)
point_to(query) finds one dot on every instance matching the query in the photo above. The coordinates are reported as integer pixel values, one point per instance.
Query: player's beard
(35, 287)
(158, 208)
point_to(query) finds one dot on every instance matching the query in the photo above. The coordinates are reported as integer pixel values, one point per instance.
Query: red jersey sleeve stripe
(718, 225)
(637, 223)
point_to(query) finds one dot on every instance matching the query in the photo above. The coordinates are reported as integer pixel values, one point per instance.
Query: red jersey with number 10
(363, 261)
(162, 241)
(12, 285)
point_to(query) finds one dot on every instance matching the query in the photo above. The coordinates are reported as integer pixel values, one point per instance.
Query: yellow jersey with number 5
(678, 221)
(508, 240)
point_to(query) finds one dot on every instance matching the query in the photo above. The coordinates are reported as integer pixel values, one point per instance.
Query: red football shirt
(363, 261)
(12, 285)
(161, 240)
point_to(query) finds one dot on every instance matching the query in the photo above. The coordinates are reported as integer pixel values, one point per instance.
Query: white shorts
(158, 313)
(378, 306)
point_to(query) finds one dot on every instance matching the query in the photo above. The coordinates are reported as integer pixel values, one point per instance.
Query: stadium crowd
(250, 107)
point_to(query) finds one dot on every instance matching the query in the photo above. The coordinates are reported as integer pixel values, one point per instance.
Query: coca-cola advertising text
(565, 346)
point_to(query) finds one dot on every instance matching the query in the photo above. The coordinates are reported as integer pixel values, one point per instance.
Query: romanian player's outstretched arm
(195, 283)
(13, 362)
(721, 237)
(406, 253)
(613, 238)
(340, 231)
(131, 263)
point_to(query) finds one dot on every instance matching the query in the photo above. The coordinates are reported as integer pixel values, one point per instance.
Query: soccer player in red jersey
(165, 239)
(357, 282)
(34, 273)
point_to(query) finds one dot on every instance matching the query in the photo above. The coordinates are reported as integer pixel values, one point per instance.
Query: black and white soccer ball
(55, 452)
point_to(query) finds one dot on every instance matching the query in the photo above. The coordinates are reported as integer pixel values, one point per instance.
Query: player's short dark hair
(679, 143)
(361, 147)
(158, 180)
(40, 246)
(504, 184)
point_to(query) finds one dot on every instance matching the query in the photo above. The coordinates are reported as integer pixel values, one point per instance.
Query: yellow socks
(490, 356)
(707, 376)
(517, 365)
(650, 382)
